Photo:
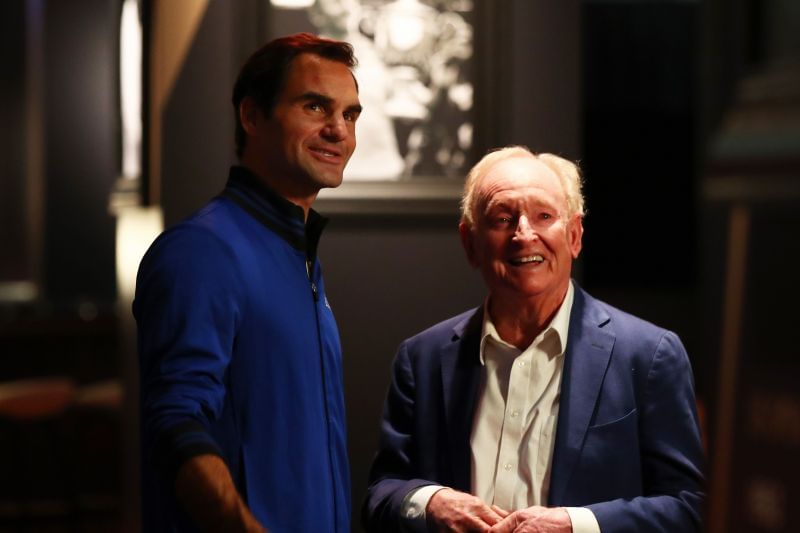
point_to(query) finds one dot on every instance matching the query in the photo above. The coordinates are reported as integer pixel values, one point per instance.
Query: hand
(205, 489)
(535, 520)
(453, 511)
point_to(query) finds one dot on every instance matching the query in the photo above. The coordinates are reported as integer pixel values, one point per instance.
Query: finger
(506, 525)
(475, 524)
(488, 516)
(500, 511)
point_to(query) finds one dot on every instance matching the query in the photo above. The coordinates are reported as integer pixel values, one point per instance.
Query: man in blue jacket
(544, 410)
(243, 421)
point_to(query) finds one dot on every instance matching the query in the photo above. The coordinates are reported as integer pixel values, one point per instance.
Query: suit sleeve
(187, 309)
(671, 452)
(392, 476)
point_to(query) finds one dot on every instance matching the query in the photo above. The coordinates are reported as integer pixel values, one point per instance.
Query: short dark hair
(263, 76)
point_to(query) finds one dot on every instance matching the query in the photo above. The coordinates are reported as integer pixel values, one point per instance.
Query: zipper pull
(309, 265)
(314, 290)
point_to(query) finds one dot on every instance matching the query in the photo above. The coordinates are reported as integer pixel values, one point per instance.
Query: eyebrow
(511, 205)
(327, 100)
(499, 204)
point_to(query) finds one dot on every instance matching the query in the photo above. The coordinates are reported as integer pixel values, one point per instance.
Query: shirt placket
(534, 449)
(513, 429)
(541, 446)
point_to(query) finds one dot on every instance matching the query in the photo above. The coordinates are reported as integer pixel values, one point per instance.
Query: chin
(326, 181)
(332, 183)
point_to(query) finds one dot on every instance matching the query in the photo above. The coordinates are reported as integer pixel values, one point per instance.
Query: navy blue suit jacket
(627, 440)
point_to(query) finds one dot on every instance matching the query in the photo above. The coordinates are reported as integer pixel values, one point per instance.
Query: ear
(468, 242)
(575, 235)
(249, 114)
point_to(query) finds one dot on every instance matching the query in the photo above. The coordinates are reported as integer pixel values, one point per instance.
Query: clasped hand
(453, 511)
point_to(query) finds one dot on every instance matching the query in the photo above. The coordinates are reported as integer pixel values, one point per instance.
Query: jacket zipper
(334, 484)
(311, 281)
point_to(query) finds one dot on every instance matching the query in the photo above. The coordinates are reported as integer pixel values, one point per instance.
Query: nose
(335, 129)
(524, 230)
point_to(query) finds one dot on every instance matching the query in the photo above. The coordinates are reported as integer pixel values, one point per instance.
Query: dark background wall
(82, 150)
(198, 118)
(13, 260)
(387, 279)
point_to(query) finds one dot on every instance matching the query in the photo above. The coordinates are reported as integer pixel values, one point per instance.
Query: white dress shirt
(513, 430)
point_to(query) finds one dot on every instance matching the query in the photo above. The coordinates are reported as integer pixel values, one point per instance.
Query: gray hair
(568, 174)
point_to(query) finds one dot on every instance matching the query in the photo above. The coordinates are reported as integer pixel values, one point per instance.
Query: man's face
(522, 239)
(310, 135)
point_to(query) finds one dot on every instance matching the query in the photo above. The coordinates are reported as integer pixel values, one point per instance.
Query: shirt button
(507, 466)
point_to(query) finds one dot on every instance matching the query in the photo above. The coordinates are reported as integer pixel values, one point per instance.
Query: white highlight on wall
(131, 89)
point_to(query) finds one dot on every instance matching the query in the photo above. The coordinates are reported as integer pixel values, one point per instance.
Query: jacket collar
(590, 342)
(274, 211)
(461, 373)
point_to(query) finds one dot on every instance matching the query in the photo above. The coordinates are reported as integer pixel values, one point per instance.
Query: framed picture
(417, 76)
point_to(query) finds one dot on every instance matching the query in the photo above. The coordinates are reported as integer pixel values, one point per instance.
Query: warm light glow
(292, 4)
(131, 88)
(18, 291)
(407, 23)
(137, 227)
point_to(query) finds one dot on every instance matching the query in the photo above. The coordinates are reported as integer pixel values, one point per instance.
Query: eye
(350, 116)
(316, 107)
(545, 216)
(501, 220)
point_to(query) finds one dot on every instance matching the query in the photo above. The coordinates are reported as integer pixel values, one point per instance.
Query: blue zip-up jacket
(240, 357)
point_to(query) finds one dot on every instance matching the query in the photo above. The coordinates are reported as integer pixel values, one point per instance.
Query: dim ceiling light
(292, 4)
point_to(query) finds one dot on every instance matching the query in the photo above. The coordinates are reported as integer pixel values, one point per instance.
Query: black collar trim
(274, 211)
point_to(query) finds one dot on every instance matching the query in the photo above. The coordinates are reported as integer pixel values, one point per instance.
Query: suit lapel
(588, 352)
(461, 371)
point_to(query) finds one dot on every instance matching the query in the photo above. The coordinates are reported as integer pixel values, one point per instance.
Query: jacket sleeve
(393, 475)
(671, 453)
(187, 309)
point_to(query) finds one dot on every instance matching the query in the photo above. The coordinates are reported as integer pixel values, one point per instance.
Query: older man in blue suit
(544, 410)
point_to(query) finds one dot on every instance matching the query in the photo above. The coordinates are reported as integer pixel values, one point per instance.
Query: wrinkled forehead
(519, 179)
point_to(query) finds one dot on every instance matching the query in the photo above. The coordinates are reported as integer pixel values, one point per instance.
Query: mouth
(326, 154)
(535, 259)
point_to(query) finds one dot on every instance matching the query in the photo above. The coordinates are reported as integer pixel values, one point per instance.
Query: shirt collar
(559, 326)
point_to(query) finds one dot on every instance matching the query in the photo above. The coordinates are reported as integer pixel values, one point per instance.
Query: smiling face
(522, 238)
(304, 145)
